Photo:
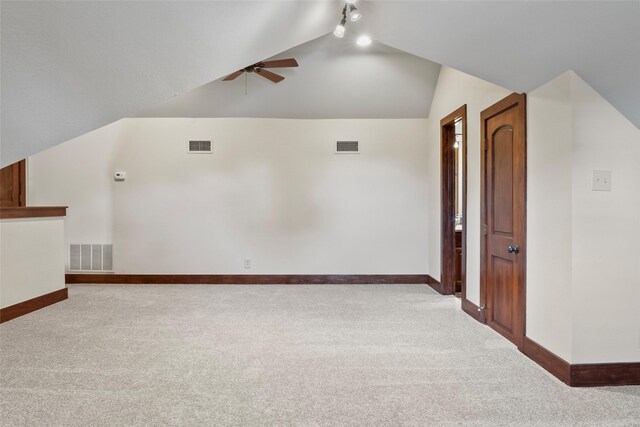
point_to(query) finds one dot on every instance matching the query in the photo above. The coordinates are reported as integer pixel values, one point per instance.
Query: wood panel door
(504, 216)
(13, 185)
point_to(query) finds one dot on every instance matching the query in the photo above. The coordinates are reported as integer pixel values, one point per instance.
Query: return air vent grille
(347, 147)
(199, 147)
(90, 257)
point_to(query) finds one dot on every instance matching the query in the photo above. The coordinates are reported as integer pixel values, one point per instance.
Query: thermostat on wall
(119, 176)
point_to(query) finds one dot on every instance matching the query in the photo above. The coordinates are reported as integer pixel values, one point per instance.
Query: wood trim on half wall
(33, 212)
(247, 279)
(33, 304)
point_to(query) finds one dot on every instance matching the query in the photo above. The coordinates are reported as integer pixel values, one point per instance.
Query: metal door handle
(513, 249)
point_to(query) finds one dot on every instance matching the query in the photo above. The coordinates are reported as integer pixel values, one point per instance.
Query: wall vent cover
(90, 257)
(200, 147)
(347, 147)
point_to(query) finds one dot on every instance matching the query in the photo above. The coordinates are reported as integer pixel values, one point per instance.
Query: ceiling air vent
(200, 147)
(347, 147)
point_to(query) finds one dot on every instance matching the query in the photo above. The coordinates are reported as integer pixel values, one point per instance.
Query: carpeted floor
(279, 355)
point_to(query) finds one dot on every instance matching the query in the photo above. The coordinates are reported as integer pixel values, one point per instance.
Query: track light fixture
(363, 41)
(339, 31)
(354, 14)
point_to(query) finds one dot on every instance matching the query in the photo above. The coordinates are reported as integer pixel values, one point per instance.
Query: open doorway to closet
(453, 152)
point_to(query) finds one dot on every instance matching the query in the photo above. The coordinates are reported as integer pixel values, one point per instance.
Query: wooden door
(448, 160)
(504, 215)
(13, 185)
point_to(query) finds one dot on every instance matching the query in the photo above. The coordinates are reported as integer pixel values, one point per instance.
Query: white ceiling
(335, 79)
(70, 67)
(521, 45)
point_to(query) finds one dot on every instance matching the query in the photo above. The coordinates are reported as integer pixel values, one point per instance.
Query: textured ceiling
(336, 79)
(71, 67)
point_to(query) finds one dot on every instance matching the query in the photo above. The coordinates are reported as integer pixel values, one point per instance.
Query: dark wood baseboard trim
(605, 374)
(26, 307)
(32, 212)
(583, 375)
(436, 285)
(556, 366)
(473, 310)
(247, 279)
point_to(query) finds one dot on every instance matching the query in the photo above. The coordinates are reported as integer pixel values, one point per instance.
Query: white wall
(78, 174)
(32, 258)
(273, 191)
(549, 216)
(583, 290)
(454, 90)
(606, 231)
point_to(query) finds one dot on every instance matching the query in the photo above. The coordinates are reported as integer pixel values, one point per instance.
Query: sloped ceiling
(521, 45)
(71, 67)
(336, 79)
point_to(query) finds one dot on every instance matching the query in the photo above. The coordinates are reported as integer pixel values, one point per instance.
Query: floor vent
(200, 147)
(90, 257)
(347, 147)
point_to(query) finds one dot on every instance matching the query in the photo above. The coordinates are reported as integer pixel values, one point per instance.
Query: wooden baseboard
(557, 366)
(247, 279)
(473, 310)
(26, 307)
(436, 285)
(583, 375)
(605, 374)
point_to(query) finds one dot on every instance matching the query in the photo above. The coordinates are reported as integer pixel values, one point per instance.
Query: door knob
(513, 249)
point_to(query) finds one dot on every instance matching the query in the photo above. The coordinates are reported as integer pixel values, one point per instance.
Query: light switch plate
(600, 180)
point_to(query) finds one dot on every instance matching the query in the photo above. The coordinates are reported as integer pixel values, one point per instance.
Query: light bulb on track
(354, 13)
(364, 41)
(339, 31)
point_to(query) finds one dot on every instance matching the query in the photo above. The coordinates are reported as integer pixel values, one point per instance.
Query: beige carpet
(279, 355)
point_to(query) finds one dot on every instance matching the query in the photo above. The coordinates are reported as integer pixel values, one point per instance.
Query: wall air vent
(344, 147)
(200, 147)
(90, 257)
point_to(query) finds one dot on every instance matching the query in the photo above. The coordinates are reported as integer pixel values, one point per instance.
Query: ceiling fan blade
(280, 63)
(269, 75)
(233, 76)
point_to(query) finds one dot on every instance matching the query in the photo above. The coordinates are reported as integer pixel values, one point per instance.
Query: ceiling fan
(259, 69)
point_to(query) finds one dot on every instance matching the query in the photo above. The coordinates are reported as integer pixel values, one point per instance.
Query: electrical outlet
(600, 180)
(247, 264)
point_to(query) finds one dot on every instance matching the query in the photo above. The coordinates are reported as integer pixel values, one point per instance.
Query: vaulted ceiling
(71, 67)
(335, 79)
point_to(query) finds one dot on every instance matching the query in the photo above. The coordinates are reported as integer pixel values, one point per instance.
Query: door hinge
(484, 144)
(484, 229)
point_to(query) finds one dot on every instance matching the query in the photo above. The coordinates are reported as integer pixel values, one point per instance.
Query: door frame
(447, 242)
(19, 172)
(502, 105)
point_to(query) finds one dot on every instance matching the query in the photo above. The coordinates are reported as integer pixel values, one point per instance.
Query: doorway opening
(453, 166)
